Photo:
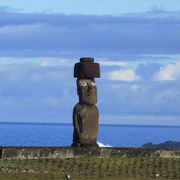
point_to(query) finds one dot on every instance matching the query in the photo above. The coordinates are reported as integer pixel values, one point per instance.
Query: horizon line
(103, 124)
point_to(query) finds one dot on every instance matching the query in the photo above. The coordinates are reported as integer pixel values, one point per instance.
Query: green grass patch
(125, 168)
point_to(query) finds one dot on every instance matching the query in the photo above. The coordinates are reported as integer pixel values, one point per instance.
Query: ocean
(32, 134)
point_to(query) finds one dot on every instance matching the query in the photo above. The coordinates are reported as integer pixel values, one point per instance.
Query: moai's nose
(90, 90)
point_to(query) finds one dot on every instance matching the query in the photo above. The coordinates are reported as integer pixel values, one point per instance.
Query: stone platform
(69, 152)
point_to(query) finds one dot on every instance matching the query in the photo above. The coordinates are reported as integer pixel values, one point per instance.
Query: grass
(125, 168)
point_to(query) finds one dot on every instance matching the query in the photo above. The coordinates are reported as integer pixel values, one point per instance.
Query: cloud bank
(123, 75)
(46, 92)
(54, 35)
(168, 72)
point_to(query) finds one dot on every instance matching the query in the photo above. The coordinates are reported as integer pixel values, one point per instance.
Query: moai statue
(85, 112)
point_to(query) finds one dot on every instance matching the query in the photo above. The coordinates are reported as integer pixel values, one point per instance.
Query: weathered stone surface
(86, 68)
(70, 152)
(36, 152)
(85, 121)
(85, 113)
(87, 59)
(87, 91)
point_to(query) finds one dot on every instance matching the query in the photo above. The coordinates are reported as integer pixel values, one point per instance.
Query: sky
(137, 44)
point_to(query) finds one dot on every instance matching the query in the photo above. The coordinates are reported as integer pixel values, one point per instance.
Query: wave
(103, 145)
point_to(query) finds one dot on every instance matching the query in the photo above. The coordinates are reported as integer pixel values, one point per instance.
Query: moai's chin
(89, 100)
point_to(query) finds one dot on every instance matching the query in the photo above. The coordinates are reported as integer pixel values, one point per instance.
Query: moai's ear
(77, 84)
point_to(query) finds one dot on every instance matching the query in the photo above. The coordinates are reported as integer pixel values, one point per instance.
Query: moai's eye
(93, 83)
(83, 83)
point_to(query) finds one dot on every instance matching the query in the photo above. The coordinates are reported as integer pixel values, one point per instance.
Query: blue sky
(137, 44)
(90, 7)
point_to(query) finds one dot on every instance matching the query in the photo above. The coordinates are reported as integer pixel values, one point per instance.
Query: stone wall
(69, 152)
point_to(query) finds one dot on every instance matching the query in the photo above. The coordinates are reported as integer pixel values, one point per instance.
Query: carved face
(87, 91)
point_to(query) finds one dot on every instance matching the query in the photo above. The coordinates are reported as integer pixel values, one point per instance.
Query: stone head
(86, 90)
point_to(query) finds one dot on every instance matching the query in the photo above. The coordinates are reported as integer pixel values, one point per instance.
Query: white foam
(103, 145)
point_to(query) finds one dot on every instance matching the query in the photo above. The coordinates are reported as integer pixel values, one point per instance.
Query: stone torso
(86, 121)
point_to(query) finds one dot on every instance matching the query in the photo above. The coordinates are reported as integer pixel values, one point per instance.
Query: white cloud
(123, 75)
(168, 72)
(56, 62)
(167, 94)
(22, 29)
(112, 63)
(135, 87)
(142, 119)
(44, 63)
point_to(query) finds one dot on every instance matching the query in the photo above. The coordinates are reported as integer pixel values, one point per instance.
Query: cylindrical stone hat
(86, 68)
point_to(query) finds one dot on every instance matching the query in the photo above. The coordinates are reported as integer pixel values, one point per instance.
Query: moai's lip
(89, 94)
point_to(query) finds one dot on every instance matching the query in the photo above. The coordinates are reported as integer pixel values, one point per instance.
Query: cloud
(168, 72)
(142, 119)
(5, 9)
(140, 98)
(30, 92)
(112, 63)
(59, 62)
(112, 37)
(123, 75)
(146, 70)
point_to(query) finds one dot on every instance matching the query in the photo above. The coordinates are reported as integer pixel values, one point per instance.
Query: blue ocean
(29, 134)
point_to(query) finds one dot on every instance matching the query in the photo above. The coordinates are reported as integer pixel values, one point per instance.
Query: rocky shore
(166, 145)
